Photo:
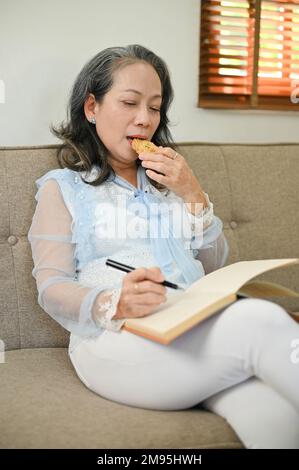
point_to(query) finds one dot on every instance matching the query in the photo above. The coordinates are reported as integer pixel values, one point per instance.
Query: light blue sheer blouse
(76, 227)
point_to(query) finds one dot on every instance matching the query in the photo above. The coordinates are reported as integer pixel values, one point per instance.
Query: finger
(149, 299)
(155, 274)
(140, 310)
(162, 179)
(140, 274)
(148, 287)
(168, 152)
(156, 166)
(155, 157)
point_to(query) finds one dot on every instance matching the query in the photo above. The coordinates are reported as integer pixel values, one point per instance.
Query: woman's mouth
(130, 139)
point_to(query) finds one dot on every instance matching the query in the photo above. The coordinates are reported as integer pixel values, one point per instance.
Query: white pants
(237, 364)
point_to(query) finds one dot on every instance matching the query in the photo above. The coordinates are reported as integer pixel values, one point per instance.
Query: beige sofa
(43, 404)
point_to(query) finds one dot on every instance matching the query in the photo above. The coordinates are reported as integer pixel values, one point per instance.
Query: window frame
(251, 100)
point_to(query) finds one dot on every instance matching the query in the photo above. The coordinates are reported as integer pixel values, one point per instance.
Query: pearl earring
(93, 121)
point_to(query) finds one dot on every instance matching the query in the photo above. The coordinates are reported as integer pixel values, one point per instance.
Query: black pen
(128, 269)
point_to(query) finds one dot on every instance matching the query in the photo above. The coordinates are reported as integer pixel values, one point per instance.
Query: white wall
(44, 44)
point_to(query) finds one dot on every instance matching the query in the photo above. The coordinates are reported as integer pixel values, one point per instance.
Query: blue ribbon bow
(168, 250)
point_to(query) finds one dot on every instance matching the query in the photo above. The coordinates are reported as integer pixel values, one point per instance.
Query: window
(249, 54)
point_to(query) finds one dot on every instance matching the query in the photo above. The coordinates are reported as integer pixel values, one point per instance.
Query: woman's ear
(89, 106)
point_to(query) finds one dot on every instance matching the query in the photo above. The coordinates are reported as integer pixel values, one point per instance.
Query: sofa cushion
(43, 404)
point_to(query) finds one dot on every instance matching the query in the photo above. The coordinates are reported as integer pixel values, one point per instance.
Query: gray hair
(82, 147)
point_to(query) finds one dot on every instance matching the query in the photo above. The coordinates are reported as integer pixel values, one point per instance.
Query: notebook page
(230, 278)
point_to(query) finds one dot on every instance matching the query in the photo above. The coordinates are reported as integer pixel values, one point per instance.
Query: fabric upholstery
(53, 409)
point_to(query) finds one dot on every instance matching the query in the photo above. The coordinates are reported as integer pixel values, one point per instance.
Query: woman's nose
(143, 117)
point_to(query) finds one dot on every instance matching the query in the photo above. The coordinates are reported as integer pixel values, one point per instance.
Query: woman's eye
(131, 103)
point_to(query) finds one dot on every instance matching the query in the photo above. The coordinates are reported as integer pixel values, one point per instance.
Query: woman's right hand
(141, 293)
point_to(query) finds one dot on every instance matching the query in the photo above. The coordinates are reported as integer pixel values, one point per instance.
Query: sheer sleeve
(208, 242)
(214, 254)
(79, 309)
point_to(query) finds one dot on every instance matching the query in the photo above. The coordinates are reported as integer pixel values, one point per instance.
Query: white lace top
(81, 292)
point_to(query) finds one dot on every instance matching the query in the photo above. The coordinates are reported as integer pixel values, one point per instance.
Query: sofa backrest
(254, 189)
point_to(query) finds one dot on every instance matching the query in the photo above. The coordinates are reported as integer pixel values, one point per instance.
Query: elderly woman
(107, 201)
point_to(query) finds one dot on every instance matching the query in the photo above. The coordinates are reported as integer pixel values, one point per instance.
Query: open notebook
(206, 296)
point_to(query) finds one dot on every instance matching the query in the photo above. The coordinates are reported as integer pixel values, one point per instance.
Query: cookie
(140, 145)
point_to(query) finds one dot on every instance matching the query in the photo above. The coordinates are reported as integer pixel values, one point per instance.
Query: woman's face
(130, 108)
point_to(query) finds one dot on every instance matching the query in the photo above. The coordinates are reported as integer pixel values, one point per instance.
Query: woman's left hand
(176, 173)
